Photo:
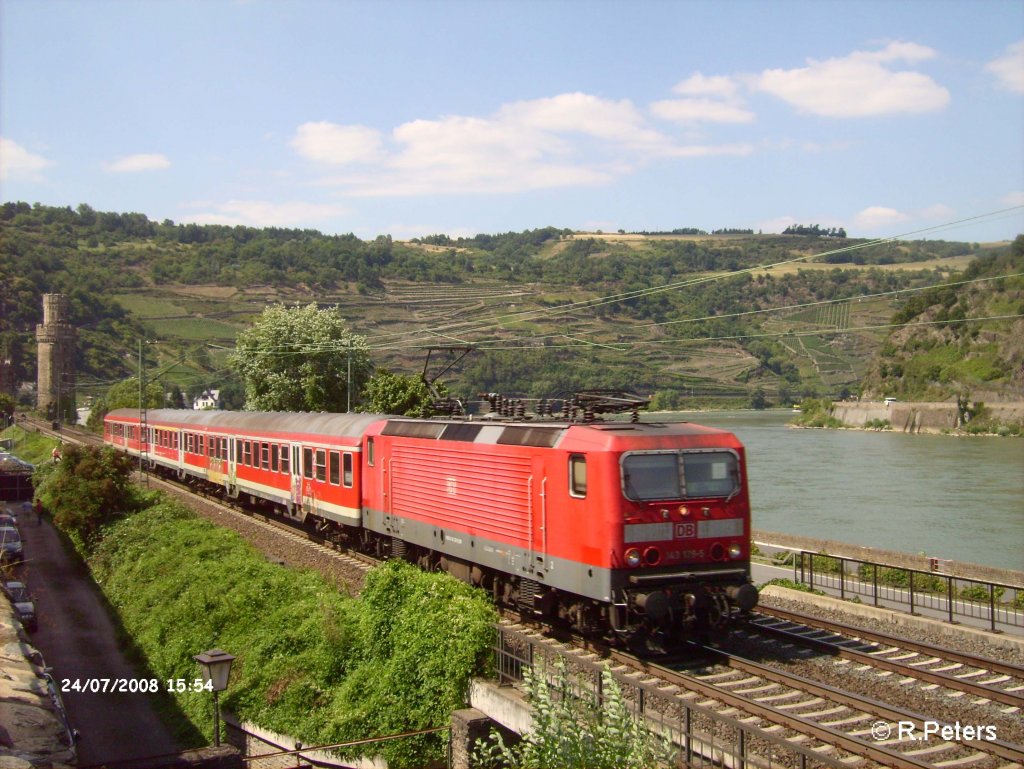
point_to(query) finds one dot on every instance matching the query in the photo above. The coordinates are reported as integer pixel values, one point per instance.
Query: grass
(29, 446)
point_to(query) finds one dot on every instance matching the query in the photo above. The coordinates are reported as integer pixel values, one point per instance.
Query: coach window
(200, 444)
(321, 464)
(274, 454)
(335, 468)
(284, 459)
(307, 463)
(265, 453)
(347, 469)
(578, 475)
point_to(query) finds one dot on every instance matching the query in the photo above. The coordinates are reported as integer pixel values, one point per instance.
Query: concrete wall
(919, 417)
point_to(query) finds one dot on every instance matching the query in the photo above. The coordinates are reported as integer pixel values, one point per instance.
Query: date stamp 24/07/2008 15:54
(134, 685)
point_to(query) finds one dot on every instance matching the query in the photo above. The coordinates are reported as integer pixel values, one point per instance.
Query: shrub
(87, 489)
(570, 731)
(311, 662)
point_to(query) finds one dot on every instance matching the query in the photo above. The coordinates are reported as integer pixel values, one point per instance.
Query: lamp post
(216, 666)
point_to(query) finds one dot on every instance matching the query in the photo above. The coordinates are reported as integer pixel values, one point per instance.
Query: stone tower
(55, 340)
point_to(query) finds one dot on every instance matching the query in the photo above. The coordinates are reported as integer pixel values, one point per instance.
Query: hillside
(689, 318)
(937, 355)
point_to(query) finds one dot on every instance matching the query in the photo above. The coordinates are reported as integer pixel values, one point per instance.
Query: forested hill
(682, 315)
(935, 353)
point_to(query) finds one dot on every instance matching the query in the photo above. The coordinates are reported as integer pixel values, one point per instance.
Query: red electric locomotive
(619, 526)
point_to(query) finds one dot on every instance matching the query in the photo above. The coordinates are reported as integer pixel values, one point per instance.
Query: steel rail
(996, 666)
(1000, 748)
(867, 658)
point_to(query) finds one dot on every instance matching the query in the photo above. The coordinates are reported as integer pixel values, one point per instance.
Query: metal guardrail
(949, 596)
(703, 737)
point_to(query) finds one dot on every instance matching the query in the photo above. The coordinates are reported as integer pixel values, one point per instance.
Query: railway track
(934, 666)
(837, 728)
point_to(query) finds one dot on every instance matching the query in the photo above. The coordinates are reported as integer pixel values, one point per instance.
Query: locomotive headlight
(632, 557)
(735, 551)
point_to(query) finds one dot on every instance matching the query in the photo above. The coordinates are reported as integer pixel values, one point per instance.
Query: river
(945, 496)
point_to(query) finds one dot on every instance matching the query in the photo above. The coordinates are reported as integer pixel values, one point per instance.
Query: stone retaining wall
(919, 417)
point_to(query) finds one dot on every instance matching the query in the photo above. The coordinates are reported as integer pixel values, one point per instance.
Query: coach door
(296, 477)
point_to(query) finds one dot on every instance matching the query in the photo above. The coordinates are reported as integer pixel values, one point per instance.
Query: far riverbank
(947, 417)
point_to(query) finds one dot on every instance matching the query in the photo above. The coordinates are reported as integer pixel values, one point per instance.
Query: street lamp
(216, 665)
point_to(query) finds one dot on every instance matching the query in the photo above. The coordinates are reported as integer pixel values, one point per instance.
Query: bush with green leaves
(573, 728)
(87, 489)
(311, 662)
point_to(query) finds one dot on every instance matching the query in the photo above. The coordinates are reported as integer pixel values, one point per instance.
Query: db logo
(686, 530)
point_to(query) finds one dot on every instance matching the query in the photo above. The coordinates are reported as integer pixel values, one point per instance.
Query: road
(79, 641)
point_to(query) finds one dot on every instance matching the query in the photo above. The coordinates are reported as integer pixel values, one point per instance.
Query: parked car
(6, 519)
(10, 543)
(22, 602)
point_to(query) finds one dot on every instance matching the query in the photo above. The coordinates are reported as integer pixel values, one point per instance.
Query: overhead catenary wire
(476, 326)
(413, 339)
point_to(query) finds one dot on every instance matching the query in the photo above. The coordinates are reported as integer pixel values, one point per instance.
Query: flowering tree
(298, 359)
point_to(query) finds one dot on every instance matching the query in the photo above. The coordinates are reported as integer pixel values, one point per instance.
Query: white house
(210, 399)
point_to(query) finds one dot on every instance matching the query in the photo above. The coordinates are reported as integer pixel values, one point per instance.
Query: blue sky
(412, 118)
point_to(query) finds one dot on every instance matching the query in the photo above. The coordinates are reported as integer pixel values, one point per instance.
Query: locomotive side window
(321, 464)
(347, 469)
(369, 452)
(578, 475)
(335, 468)
(307, 463)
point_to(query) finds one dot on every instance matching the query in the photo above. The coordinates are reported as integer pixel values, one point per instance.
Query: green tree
(89, 487)
(125, 395)
(298, 358)
(7, 405)
(390, 393)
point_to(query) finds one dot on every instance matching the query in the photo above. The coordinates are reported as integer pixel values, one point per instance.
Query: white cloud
(1009, 68)
(701, 110)
(262, 213)
(1014, 198)
(334, 144)
(131, 164)
(862, 84)
(875, 218)
(719, 86)
(939, 211)
(572, 139)
(18, 162)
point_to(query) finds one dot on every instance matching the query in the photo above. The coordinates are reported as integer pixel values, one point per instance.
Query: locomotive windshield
(679, 475)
